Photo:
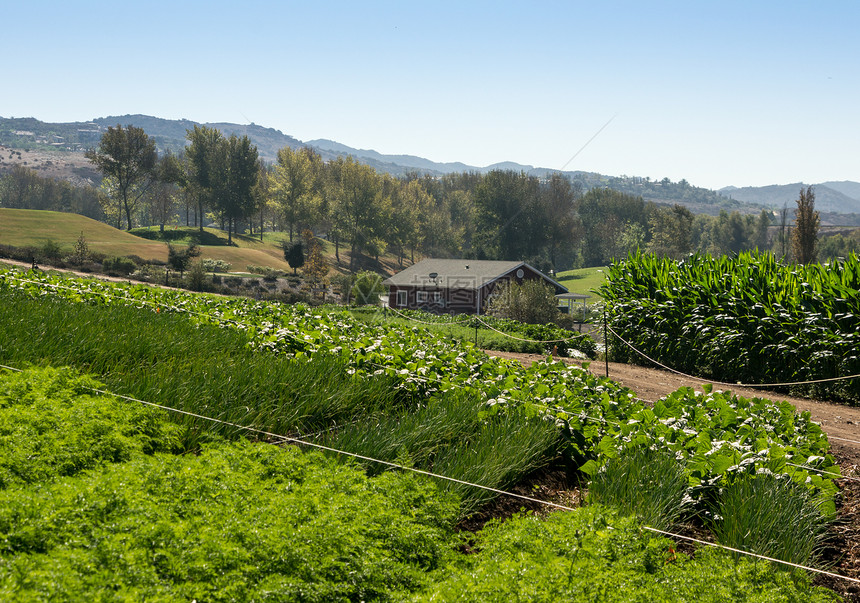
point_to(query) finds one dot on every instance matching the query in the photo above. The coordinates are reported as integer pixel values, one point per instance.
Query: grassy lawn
(583, 280)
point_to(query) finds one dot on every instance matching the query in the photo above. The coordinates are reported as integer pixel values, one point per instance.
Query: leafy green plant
(712, 435)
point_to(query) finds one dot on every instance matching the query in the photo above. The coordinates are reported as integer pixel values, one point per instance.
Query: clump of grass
(770, 515)
(649, 484)
(448, 438)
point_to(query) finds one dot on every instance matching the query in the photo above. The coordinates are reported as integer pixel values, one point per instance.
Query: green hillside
(33, 228)
(583, 280)
(24, 227)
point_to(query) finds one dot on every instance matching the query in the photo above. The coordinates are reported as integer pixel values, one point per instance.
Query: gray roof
(462, 274)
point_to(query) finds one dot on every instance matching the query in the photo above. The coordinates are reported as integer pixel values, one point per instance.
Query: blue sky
(719, 93)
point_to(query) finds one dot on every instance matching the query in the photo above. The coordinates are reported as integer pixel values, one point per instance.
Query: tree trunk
(128, 215)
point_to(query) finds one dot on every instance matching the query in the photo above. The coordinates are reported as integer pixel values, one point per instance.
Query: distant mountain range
(831, 197)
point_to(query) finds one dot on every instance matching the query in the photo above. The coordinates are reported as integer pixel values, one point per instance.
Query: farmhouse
(457, 286)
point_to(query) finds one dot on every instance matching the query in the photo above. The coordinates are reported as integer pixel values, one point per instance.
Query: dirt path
(840, 422)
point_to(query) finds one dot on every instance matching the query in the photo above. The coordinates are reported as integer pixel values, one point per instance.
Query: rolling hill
(68, 140)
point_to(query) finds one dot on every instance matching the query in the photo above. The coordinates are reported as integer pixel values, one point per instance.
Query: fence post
(605, 341)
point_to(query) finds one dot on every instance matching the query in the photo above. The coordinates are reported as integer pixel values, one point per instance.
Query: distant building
(457, 286)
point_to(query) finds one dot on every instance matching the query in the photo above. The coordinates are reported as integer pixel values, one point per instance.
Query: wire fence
(736, 384)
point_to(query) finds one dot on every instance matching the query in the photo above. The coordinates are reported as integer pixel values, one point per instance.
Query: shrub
(81, 254)
(530, 302)
(197, 277)
(210, 265)
(118, 266)
(51, 250)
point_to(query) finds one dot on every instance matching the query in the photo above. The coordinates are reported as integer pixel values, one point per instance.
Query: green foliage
(234, 522)
(180, 259)
(197, 277)
(367, 288)
(210, 265)
(53, 425)
(266, 271)
(650, 484)
(746, 319)
(51, 250)
(117, 265)
(81, 253)
(804, 237)
(390, 366)
(592, 555)
(772, 516)
(127, 156)
(530, 302)
(249, 522)
(718, 437)
(294, 254)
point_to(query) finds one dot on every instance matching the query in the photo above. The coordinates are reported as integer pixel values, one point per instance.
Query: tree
(781, 242)
(671, 232)
(511, 222)
(559, 198)
(294, 185)
(180, 259)
(316, 267)
(235, 176)
(202, 165)
(804, 241)
(294, 254)
(129, 157)
(360, 208)
(367, 288)
(162, 193)
(531, 302)
(605, 215)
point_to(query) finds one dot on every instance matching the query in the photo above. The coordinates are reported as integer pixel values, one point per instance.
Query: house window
(401, 298)
(421, 297)
(437, 297)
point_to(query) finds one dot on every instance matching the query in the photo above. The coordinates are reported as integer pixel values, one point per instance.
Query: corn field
(748, 318)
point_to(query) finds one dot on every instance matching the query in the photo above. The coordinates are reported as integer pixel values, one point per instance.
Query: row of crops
(99, 502)
(401, 394)
(747, 319)
(493, 333)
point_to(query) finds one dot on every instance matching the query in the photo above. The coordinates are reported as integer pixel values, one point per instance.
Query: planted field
(404, 395)
(489, 333)
(746, 319)
(239, 521)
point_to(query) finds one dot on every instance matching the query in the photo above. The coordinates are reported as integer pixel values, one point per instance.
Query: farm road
(837, 420)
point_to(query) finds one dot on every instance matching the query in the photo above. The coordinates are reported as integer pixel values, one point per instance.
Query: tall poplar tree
(804, 241)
